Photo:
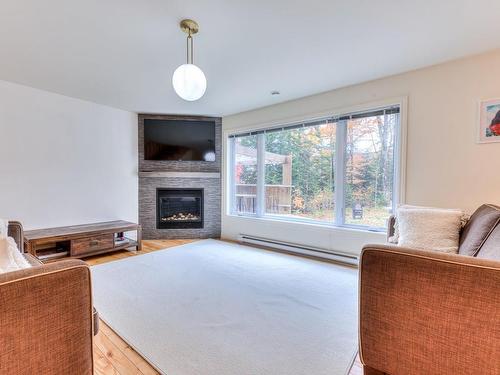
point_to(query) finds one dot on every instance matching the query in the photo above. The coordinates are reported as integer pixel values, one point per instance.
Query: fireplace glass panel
(180, 208)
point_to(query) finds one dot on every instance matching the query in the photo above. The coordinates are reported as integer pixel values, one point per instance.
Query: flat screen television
(179, 140)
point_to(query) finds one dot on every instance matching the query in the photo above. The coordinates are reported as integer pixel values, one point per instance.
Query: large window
(339, 170)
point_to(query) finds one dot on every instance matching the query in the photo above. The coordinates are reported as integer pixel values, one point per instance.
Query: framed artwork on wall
(489, 121)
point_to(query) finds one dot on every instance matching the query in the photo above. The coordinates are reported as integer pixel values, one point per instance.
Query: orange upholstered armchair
(429, 313)
(46, 317)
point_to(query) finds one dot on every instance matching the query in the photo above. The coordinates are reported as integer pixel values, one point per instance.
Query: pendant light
(188, 80)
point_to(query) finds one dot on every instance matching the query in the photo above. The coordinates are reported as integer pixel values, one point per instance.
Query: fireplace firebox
(179, 208)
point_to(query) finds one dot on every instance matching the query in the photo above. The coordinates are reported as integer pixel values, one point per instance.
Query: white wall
(445, 167)
(65, 161)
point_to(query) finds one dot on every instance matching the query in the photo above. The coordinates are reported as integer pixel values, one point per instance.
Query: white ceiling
(122, 53)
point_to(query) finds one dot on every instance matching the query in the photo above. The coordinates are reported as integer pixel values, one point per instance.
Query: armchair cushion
(10, 257)
(491, 246)
(429, 228)
(478, 228)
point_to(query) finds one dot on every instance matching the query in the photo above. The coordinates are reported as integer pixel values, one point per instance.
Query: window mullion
(261, 177)
(340, 150)
(231, 185)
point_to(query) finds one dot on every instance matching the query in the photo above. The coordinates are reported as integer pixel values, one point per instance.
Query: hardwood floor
(112, 355)
(147, 247)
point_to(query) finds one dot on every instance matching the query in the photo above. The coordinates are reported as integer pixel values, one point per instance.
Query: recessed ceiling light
(275, 92)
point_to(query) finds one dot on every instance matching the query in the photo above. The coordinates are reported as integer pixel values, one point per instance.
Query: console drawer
(87, 245)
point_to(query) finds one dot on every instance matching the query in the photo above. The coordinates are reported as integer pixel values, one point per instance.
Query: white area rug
(216, 308)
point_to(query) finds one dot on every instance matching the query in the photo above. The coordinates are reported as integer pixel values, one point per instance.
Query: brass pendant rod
(192, 49)
(189, 49)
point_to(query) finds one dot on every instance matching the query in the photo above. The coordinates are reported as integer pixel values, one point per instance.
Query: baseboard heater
(295, 248)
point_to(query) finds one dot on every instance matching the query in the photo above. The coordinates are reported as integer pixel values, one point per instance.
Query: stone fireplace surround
(155, 175)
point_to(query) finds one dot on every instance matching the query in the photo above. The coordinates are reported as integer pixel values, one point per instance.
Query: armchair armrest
(46, 320)
(425, 312)
(32, 260)
(15, 230)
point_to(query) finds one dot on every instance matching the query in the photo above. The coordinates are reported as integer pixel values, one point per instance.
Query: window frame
(399, 168)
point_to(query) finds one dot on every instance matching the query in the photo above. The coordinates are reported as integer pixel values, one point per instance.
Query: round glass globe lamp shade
(189, 82)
